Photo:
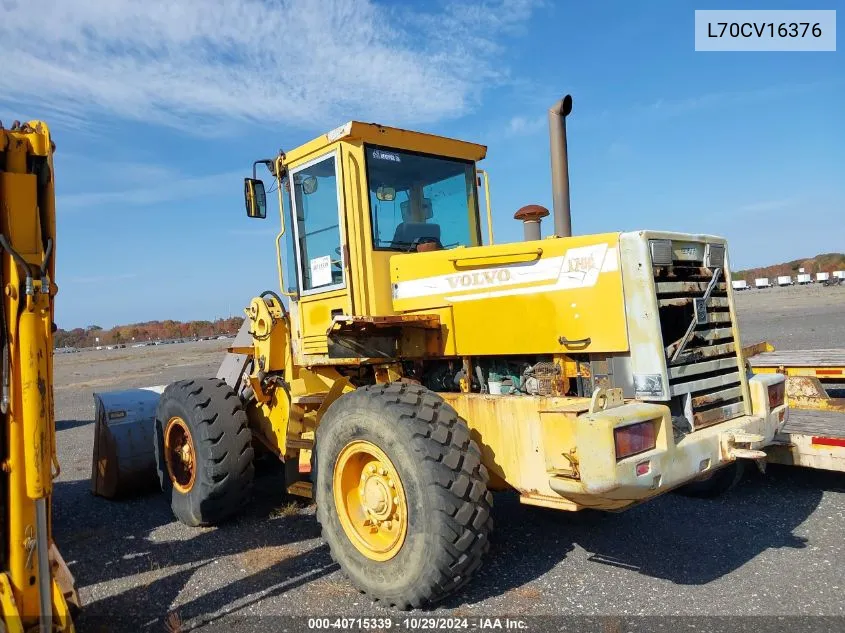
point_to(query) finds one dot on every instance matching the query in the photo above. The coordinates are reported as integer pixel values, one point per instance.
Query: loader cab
(352, 199)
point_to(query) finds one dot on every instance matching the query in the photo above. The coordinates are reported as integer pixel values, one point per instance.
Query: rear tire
(203, 450)
(720, 482)
(439, 541)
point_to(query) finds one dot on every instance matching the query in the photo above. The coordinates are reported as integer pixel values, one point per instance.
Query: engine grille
(704, 381)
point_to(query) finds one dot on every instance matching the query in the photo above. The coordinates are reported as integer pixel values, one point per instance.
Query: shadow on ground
(686, 541)
(116, 541)
(65, 425)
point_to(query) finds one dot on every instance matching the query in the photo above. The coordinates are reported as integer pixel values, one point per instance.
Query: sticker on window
(380, 155)
(321, 271)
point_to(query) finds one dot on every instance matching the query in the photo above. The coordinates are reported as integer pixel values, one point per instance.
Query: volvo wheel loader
(36, 588)
(404, 370)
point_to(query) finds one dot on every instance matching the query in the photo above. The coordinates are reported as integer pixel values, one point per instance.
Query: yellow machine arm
(34, 581)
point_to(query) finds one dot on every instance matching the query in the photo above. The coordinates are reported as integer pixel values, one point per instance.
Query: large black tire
(720, 482)
(448, 504)
(222, 446)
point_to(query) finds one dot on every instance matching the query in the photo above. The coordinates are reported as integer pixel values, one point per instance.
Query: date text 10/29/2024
(765, 30)
(417, 623)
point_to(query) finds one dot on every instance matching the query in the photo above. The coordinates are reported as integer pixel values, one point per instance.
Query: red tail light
(634, 439)
(776, 394)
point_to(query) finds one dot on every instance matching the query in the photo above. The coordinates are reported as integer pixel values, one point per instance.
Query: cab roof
(396, 138)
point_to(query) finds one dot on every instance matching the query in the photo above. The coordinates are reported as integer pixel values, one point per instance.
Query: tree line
(144, 332)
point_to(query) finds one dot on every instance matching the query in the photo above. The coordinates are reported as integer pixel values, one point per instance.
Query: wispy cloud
(676, 106)
(764, 206)
(100, 279)
(523, 126)
(169, 188)
(670, 107)
(197, 65)
(620, 150)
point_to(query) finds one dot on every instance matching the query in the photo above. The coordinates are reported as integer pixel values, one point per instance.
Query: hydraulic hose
(4, 242)
(4, 342)
(47, 252)
(270, 293)
(27, 270)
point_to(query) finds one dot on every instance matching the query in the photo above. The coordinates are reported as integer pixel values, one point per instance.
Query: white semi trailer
(822, 277)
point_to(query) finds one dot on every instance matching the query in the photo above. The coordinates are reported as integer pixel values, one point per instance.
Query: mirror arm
(268, 162)
(279, 174)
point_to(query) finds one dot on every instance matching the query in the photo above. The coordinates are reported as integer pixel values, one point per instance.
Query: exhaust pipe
(560, 166)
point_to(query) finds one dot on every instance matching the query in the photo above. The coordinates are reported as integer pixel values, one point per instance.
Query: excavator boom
(35, 585)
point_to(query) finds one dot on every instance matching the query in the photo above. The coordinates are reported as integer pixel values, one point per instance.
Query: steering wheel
(423, 240)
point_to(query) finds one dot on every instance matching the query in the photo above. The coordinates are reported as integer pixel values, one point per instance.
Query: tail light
(634, 438)
(777, 394)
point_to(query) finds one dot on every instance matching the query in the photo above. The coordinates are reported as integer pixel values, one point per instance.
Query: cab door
(319, 245)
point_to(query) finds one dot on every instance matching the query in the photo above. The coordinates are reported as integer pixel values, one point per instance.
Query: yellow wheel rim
(179, 455)
(370, 500)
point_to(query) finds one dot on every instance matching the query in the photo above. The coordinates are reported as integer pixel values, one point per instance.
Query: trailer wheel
(203, 450)
(720, 482)
(401, 494)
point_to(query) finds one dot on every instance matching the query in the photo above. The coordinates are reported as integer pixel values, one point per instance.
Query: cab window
(316, 208)
(420, 199)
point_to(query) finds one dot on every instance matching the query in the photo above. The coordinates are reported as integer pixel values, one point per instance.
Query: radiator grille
(704, 381)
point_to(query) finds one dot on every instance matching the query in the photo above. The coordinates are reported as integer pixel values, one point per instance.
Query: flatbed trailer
(814, 433)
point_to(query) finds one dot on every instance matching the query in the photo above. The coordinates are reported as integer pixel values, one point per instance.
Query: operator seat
(414, 226)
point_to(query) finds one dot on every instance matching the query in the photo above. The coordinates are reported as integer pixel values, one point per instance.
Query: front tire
(203, 450)
(401, 494)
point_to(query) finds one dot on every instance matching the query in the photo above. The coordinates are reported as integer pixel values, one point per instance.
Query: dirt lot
(773, 547)
(794, 317)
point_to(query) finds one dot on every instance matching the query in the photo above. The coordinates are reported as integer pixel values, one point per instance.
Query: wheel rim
(370, 500)
(180, 456)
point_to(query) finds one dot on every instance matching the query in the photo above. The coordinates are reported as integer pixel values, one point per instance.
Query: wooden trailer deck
(814, 433)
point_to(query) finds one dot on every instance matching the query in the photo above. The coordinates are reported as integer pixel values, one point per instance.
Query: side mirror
(309, 185)
(386, 194)
(255, 198)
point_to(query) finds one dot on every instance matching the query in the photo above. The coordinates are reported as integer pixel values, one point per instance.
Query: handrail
(502, 258)
(279, 174)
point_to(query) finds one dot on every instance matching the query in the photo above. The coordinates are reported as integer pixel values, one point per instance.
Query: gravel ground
(772, 548)
(793, 317)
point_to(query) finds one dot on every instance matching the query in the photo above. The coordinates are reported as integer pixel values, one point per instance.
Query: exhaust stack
(560, 166)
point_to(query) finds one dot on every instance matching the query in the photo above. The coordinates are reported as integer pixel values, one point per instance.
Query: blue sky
(158, 109)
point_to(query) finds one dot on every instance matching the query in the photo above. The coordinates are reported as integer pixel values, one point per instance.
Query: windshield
(420, 199)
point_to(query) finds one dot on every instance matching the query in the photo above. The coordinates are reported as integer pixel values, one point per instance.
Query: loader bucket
(124, 462)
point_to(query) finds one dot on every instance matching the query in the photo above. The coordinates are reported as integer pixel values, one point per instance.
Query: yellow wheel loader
(405, 370)
(36, 588)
